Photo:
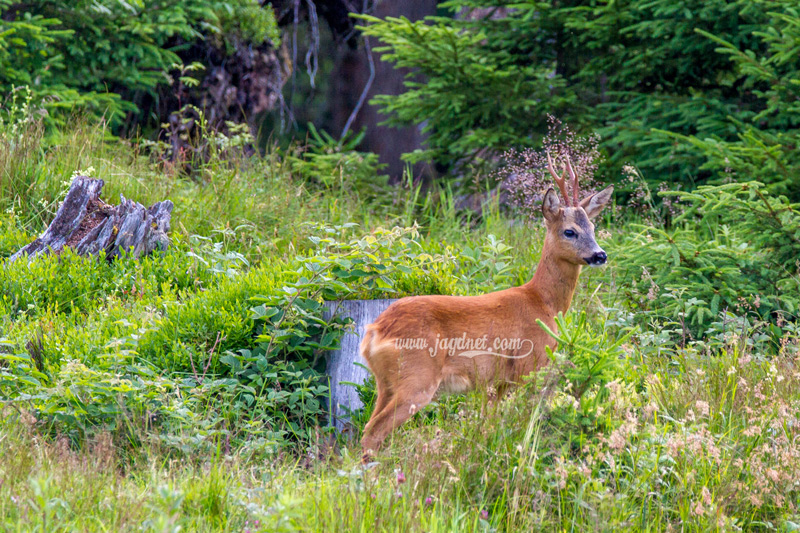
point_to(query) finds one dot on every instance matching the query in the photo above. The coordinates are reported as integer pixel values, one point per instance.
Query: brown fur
(408, 378)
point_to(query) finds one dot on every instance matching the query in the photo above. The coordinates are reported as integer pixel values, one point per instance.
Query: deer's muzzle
(597, 259)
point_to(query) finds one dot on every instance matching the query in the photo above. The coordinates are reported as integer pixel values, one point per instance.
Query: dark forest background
(690, 91)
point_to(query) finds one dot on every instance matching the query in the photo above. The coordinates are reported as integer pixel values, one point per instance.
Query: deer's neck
(555, 280)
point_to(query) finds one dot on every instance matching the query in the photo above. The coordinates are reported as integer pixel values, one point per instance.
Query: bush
(734, 249)
(327, 164)
(170, 344)
(89, 55)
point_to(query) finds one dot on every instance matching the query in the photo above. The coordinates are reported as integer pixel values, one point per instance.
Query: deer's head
(569, 226)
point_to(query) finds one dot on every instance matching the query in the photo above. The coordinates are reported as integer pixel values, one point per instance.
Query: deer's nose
(597, 259)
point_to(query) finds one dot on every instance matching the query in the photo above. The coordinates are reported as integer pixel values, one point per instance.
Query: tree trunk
(90, 226)
(349, 79)
(342, 363)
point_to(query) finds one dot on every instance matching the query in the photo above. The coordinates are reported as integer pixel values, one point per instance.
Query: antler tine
(574, 177)
(562, 185)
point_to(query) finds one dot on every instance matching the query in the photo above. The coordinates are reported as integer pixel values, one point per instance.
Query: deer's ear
(595, 203)
(550, 205)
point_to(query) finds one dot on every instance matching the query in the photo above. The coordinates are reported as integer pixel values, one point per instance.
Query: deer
(422, 346)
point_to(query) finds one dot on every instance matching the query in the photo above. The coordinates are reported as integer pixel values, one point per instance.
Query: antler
(562, 185)
(574, 177)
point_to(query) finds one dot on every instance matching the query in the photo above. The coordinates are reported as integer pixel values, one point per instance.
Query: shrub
(87, 54)
(734, 248)
(334, 165)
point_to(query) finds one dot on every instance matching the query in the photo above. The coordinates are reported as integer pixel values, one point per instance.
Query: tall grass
(712, 447)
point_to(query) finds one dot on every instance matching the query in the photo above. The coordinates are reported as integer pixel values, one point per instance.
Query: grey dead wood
(90, 226)
(342, 364)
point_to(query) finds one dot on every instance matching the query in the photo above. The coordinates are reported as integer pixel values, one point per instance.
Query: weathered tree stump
(342, 365)
(89, 226)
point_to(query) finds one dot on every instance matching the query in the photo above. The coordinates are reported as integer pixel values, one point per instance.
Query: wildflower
(484, 514)
(713, 452)
(651, 293)
(526, 175)
(614, 389)
(731, 370)
(401, 477)
(703, 407)
(698, 509)
(700, 372)
(561, 473)
(706, 495)
(617, 440)
(627, 348)
(428, 501)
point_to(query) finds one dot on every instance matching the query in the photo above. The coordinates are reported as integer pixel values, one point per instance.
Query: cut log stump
(342, 365)
(90, 226)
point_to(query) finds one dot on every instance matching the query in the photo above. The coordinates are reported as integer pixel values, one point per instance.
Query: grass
(111, 420)
(710, 449)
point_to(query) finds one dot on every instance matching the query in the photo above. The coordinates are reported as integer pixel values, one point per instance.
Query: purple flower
(484, 514)
(428, 501)
(401, 477)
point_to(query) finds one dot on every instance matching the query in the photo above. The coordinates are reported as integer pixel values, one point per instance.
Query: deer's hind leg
(397, 411)
(397, 404)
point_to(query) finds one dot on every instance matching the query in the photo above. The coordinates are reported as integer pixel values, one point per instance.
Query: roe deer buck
(422, 345)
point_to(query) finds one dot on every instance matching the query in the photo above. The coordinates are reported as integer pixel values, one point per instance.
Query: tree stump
(90, 226)
(342, 365)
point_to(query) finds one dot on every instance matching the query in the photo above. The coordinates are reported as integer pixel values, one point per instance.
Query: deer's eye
(569, 233)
